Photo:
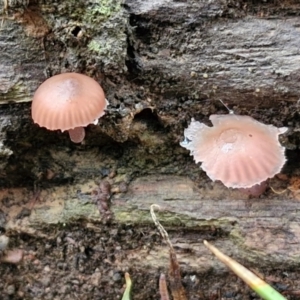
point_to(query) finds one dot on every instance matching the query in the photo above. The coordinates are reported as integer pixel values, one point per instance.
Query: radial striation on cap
(238, 150)
(67, 101)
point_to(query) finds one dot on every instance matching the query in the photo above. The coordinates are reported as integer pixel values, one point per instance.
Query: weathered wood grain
(160, 63)
(259, 231)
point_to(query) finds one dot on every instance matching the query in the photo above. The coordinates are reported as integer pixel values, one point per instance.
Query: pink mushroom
(238, 150)
(255, 190)
(68, 101)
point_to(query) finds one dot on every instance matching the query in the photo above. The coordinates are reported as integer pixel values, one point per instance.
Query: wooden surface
(260, 231)
(160, 63)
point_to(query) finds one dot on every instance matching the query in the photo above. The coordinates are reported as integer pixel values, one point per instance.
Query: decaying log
(263, 230)
(160, 63)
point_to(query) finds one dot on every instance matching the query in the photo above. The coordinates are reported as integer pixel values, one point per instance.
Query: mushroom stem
(77, 134)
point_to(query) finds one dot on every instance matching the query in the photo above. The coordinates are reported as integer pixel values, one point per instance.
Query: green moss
(64, 212)
(90, 13)
(136, 216)
(107, 21)
(99, 48)
(17, 93)
(100, 10)
(103, 26)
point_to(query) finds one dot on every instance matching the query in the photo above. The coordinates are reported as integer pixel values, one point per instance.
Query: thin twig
(276, 192)
(229, 110)
(177, 289)
(161, 229)
(163, 290)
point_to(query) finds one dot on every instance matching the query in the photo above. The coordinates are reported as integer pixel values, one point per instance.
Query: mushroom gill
(238, 150)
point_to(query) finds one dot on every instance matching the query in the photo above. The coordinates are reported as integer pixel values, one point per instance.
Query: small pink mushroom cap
(68, 101)
(238, 150)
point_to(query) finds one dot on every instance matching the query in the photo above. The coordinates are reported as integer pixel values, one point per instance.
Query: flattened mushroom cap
(238, 150)
(66, 101)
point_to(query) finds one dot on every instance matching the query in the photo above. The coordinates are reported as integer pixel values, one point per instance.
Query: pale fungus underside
(238, 150)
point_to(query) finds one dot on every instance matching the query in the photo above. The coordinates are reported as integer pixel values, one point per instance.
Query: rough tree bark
(160, 63)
